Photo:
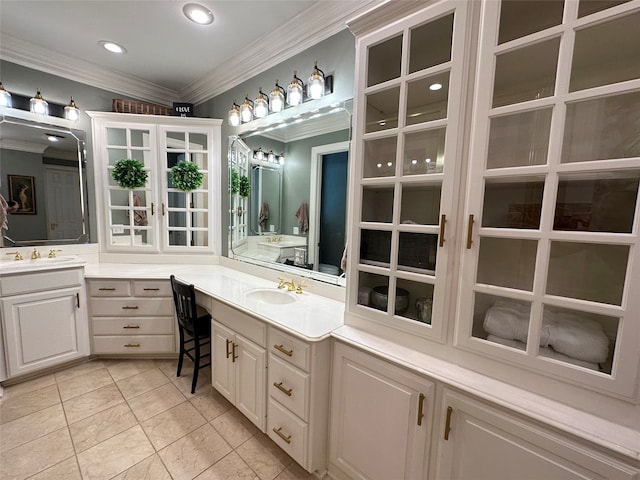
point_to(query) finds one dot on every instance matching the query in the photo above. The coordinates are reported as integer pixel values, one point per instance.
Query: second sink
(271, 296)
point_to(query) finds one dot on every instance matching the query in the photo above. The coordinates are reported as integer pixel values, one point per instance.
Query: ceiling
(168, 57)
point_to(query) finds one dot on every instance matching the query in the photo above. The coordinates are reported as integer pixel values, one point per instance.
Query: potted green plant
(244, 186)
(186, 176)
(129, 173)
(235, 181)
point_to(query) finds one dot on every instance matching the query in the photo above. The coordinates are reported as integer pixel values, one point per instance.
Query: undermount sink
(11, 266)
(270, 296)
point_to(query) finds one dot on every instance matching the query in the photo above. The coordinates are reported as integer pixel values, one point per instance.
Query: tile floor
(133, 420)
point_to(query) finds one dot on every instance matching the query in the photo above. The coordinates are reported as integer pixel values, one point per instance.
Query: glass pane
(117, 137)
(140, 138)
(417, 252)
(427, 99)
(507, 262)
(512, 205)
(525, 74)
(379, 298)
(377, 204)
(197, 141)
(424, 152)
(176, 199)
(375, 247)
(588, 271)
(176, 140)
(596, 205)
(199, 219)
(501, 320)
(200, 238)
(199, 200)
(119, 198)
(366, 283)
(128, 237)
(523, 17)
(384, 61)
(421, 204)
(177, 219)
(587, 7)
(382, 110)
(606, 53)
(116, 154)
(579, 338)
(519, 139)
(603, 128)
(420, 300)
(380, 157)
(200, 159)
(431, 44)
(178, 238)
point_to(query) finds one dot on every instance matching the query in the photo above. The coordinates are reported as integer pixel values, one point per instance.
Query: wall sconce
(315, 85)
(72, 112)
(234, 115)
(39, 105)
(258, 154)
(281, 159)
(295, 91)
(246, 110)
(271, 157)
(5, 97)
(261, 105)
(277, 97)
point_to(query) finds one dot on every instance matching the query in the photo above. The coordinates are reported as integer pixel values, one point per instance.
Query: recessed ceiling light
(198, 14)
(435, 86)
(112, 47)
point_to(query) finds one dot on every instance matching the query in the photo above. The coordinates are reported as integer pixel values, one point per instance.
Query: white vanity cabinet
(44, 319)
(239, 361)
(381, 419)
(132, 317)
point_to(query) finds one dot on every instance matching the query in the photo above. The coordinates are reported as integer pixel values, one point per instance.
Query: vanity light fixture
(277, 97)
(315, 84)
(295, 91)
(234, 115)
(246, 110)
(72, 112)
(112, 46)
(281, 159)
(261, 105)
(38, 104)
(5, 97)
(271, 157)
(259, 154)
(198, 14)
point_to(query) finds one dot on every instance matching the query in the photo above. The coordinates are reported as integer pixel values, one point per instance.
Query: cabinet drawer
(152, 288)
(36, 282)
(289, 386)
(243, 324)
(134, 344)
(290, 349)
(288, 431)
(109, 288)
(137, 326)
(131, 307)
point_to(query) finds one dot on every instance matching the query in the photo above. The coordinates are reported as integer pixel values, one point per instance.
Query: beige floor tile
(234, 427)
(168, 366)
(27, 403)
(156, 401)
(36, 456)
(67, 470)
(115, 455)
(28, 386)
(295, 472)
(175, 423)
(99, 427)
(25, 429)
(151, 468)
(210, 403)
(193, 454)
(79, 370)
(121, 369)
(142, 382)
(91, 403)
(91, 380)
(231, 467)
(263, 456)
(183, 382)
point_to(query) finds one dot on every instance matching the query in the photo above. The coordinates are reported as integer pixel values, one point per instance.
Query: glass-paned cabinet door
(551, 263)
(408, 149)
(185, 204)
(130, 213)
(238, 199)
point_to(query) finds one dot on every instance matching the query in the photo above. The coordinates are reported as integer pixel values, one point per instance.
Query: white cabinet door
(222, 368)
(44, 329)
(250, 380)
(380, 423)
(478, 442)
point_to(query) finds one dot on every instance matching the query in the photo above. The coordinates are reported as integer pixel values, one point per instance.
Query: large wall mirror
(288, 194)
(42, 164)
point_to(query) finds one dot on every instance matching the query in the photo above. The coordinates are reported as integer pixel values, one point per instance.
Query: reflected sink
(270, 296)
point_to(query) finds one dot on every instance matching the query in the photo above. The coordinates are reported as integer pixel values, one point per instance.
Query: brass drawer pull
(131, 326)
(443, 221)
(233, 353)
(469, 231)
(105, 289)
(447, 427)
(420, 406)
(130, 308)
(151, 289)
(132, 345)
(228, 351)
(286, 438)
(282, 389)
(280, 348)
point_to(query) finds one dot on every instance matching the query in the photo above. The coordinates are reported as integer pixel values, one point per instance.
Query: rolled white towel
(506, 323)
(576, 336)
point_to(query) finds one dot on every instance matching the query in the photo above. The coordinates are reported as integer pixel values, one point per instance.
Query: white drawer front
(290, 349)
(289, 386)
(152, 288)
(131, 307)
(288, 431)
(241, 323)
(36, 282)
(137, 326)
(134, 344)
(109, 288)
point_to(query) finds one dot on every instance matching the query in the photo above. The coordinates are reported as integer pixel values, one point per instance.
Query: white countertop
(310, 316)
(9, 267)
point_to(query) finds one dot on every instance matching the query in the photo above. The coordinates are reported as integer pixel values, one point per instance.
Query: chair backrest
(184, 298)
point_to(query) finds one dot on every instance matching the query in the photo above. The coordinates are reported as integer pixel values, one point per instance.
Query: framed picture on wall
(22, 189)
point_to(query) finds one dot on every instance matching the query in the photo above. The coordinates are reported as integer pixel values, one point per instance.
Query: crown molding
(22, 145)
(383, 13)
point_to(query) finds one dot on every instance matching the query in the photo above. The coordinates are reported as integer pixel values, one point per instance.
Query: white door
(63, 206)
(222, 362)
(250, 365)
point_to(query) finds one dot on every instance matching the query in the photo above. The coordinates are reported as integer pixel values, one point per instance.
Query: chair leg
(196, 367)
(181, 355)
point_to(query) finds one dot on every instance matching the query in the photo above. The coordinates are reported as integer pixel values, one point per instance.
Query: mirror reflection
(43, 183)
(291, 213)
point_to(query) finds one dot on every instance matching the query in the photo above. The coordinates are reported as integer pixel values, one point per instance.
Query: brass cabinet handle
(469, 231)
(153, 211)
(228, 351)
(130, 308)
(234, 356)
(105, 289)
(280, 348)
(443, 220)
(78, 300)
(420, 406)
(162, 209)
(286, 438)
(132, 345)
(131, 326)
(447, 427)
(282, 389)
(151, 289)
